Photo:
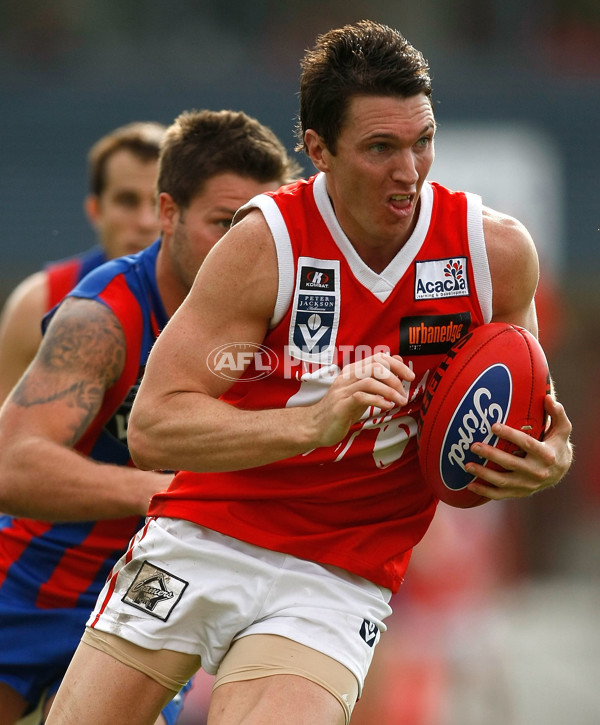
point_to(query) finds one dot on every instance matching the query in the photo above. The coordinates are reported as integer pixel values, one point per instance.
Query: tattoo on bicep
(94, 342)
(81, 356)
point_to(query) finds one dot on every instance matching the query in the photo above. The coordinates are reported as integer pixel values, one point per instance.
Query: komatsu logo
(439, 278)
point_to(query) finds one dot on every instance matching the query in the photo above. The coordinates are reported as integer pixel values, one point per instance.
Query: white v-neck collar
(379, 284)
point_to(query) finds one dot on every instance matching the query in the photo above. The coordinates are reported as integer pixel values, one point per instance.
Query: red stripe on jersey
(79, 566)
(127, 309)
(13, 543)
(62, 277)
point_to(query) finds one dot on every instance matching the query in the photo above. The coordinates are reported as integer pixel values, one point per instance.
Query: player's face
(198, 228)
(384, 153)
(125, 215)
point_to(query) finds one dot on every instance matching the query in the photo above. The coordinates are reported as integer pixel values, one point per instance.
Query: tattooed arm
(81, 356)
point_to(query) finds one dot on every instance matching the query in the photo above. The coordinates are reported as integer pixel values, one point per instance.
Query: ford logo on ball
(486, 402)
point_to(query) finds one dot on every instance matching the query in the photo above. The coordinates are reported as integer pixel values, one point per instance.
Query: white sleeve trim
(283, 248)
(479, 258)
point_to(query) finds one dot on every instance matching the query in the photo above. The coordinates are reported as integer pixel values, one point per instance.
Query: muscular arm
(178, 423)
(41, 476)
(514, 270)
(20, 330)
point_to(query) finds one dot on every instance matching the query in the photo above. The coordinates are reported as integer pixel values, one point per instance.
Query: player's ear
(168, 212)
(316, 149)
(91, 207)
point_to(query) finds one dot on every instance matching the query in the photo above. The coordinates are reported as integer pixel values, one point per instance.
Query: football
(497, 373)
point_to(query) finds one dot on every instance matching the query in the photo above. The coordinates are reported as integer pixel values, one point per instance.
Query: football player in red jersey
(272, 557)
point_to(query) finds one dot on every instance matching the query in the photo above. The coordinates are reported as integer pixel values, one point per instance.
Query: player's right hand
(374, 382)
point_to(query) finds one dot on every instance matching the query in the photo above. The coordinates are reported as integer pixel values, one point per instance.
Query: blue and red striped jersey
(64, 274)
(64, 565)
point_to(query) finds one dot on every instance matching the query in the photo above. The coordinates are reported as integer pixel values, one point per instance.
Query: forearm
(197, 433)
(193, 431)
(43, 480)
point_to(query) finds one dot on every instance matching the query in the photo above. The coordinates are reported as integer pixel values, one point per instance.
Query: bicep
(231, 302)
(81, 355)
(514, 270)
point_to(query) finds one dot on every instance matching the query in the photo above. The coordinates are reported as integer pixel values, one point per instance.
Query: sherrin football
(496, 373)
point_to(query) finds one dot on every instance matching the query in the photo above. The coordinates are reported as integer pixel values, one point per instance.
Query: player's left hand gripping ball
(497, 373)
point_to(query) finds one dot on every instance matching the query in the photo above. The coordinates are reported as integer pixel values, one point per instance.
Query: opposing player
(121, 207)
(65, 472)
(299, 498)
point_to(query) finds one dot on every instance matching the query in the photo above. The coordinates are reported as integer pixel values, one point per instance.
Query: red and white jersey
(361, 504)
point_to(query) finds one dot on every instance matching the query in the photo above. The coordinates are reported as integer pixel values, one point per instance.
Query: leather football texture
(496, 373)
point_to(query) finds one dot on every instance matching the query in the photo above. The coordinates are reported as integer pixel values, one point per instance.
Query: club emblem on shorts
(155, 591)
(369, 632)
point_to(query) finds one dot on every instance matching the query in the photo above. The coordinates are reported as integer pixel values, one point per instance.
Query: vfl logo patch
(438, 278)
(472, 421)
(369, 632)
(315, 311)
(155, 591)
(313, 330)
(432, 334)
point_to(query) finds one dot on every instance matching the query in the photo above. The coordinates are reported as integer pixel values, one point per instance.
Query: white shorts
(186, 588)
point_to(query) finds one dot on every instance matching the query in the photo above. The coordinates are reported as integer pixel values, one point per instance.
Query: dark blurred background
(517, 99)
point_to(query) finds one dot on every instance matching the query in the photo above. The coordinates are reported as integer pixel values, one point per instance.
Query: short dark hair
(141, 138)
(362, 59)
(200, 144)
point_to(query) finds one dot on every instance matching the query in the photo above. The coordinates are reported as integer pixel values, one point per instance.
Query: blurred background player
(63, 428)
(120, 206)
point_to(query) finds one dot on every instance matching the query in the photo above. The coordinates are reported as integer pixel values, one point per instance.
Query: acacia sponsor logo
(438, 278)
